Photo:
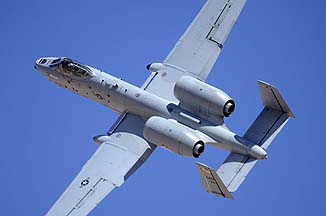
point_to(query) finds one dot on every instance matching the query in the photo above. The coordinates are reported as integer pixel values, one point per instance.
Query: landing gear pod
(100, 139)
(154, 67)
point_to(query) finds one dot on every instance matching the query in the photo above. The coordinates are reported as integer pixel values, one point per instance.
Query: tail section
(263, 130)
(272, 118)
(271, 98)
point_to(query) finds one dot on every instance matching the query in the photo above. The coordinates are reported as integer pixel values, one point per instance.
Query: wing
(109, 167)
(197, 50)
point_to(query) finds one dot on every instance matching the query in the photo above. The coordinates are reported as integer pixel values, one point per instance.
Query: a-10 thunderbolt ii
(174, 109)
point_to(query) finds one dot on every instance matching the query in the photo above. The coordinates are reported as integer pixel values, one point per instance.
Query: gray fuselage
(121, 96)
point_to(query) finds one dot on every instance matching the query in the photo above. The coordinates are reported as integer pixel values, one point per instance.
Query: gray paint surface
(180, 124)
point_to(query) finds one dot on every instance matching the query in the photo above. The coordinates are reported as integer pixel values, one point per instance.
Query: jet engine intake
(203, 98)
(173, 136)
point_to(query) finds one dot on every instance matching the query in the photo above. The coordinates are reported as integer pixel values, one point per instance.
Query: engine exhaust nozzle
(198, 149)
(229, 108)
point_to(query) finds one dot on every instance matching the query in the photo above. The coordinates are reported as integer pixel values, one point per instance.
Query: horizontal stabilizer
(262, 132)
(235, 169)
(212, 182)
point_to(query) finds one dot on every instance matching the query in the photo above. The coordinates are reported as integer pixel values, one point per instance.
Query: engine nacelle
(203, 98)
(173, 136)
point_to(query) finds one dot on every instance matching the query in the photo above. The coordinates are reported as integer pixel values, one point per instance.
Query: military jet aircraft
(174, 109)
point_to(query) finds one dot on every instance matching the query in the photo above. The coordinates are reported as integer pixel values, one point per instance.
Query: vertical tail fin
(212, 182)
(271, 98)
(263, 130)
(272, 118)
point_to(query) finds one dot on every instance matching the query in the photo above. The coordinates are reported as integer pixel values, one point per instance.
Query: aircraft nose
(41, 62)
(37, 62)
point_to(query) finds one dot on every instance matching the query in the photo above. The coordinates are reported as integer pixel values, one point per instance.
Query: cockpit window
(55, 61)
(43, 61)
(70, 67)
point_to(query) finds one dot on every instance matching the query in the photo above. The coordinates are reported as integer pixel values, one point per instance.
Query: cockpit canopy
(71, 68)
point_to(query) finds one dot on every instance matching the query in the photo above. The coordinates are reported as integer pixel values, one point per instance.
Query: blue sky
(47, 132)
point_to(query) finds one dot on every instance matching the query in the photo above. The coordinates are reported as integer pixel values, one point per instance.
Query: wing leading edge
(198, 48)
